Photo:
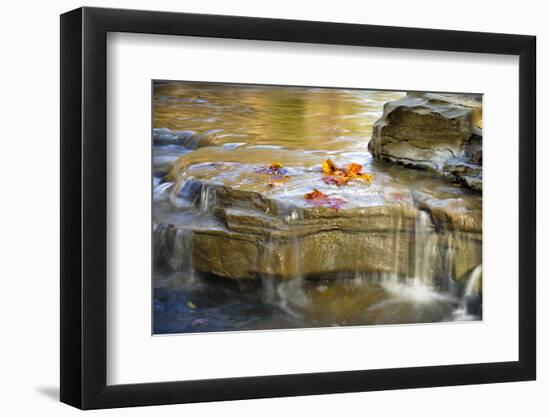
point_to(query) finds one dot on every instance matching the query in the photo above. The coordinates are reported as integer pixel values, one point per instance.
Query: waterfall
(173, 249)
(449, 258)
(473, 281)
(295, 244)
(162, 191)
(159, 243)
(427, 261)
(396, 247)
(207, 199)
(425, 249)
(289, 295)
(268, 252)
(469, 307)
(181, 256)
(175, 197)
(186, 192)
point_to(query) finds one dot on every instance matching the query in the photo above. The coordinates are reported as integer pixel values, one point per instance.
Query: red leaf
(318, 198)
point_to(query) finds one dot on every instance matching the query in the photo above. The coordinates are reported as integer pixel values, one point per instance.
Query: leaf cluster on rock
(340, 176)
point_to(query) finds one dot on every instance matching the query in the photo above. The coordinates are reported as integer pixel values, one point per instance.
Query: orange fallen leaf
(328, 167)
(340, 176)
(354, 168)
(314, 194)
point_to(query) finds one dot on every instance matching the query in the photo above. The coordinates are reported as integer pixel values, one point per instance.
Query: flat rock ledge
(246, 235)
(441, 133)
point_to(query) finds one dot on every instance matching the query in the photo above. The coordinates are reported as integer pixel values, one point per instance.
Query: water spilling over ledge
(234, 250)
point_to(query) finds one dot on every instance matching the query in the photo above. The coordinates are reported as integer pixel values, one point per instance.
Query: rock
(243, 234)
(186, 138)
(454, 214)
(438, 132)
(164, 136)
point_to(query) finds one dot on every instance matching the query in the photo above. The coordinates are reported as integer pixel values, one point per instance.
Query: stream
(212, 144)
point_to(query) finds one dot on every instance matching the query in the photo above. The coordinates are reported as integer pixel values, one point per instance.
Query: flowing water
(211, 134)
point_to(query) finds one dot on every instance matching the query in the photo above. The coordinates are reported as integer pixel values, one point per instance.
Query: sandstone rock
(438, 132)
(164, 136)
(242, 234)
(454, 214)
(187, 138)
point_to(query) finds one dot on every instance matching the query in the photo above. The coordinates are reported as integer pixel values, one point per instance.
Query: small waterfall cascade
(188, 192)
(426, 249)
(207, 200)
(473, 282)
(469, 307)
(182, 259)
(431, 262)
(449, 258)
(268, 253)
(173, 249)
(162, 191)
(159, 242)
(289, 295)
(175, 197)
(184, 192)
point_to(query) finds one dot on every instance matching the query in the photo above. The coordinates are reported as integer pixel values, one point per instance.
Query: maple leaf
(340, 176)
(354, 168)
(314, 194)
(328, 167)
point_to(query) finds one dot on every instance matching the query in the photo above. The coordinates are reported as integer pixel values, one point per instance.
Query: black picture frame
(84, 207)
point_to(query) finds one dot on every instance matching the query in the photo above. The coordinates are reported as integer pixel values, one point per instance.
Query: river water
(223, 134)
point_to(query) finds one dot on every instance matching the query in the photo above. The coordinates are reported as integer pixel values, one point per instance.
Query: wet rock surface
(242, 233)
(438, 132)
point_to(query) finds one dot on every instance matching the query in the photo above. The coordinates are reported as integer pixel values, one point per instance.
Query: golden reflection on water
(291, 117)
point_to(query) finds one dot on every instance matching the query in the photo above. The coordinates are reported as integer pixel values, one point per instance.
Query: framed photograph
(257, 208)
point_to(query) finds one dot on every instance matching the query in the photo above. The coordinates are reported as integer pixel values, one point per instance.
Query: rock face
(225, 219)
(438, 132)
(244, 234)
